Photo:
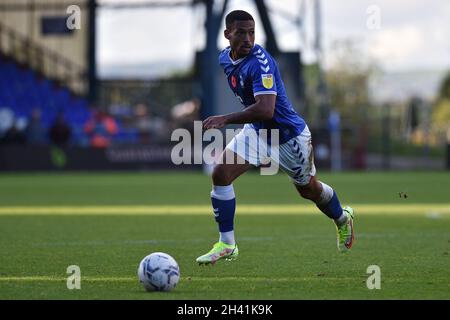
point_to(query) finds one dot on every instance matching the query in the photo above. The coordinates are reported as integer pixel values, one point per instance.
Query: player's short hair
(237, 15)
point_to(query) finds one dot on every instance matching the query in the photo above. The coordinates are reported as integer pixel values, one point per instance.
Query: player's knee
(305, 192)
(220, 177)
(309, 192)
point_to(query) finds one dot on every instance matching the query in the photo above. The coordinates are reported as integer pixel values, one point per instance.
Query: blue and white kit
(256, 74)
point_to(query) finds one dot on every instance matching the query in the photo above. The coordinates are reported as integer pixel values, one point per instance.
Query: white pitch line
(255, 209)
(134, 279)
(187, 279)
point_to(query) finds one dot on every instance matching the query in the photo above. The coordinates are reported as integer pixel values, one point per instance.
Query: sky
(401, 35)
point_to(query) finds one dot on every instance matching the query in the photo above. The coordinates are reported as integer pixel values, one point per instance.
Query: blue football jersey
(256, 74)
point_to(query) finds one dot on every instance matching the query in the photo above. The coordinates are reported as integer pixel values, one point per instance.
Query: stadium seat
(27, 90)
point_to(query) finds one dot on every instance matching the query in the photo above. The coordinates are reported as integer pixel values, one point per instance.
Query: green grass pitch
(107, 222)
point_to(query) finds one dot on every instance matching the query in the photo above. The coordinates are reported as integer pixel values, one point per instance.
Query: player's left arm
(261, 110)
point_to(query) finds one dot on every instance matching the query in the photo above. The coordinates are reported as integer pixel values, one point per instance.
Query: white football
(159, 272)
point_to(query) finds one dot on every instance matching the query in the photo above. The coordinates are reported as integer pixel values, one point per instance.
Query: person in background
(60, 132)
(13, 136)
(150, 127)
(100, 129)
(35, 131)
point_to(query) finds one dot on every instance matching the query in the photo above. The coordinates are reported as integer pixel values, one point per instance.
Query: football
(159, 272)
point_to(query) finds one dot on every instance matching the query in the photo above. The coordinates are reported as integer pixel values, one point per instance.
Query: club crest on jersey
(233, 81)
(267, 80)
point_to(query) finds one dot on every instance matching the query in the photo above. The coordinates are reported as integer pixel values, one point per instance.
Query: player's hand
(214, 122)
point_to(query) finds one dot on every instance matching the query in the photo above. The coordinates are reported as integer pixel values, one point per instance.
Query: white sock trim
(326, 195)
(223, 192)
(341, 220)
(227, 237)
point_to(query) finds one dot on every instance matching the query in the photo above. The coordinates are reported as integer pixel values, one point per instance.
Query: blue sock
(333, 208)
(224, 204)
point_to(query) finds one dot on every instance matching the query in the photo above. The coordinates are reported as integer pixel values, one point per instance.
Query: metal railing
(42, 60)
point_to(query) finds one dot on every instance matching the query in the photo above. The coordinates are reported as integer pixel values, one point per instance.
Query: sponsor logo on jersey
(267, 80)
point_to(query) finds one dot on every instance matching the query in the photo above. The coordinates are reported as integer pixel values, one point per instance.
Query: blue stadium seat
(26, 91)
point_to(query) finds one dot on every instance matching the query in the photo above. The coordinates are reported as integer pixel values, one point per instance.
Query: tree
(348, 81)
(348, 91)
(440, 117)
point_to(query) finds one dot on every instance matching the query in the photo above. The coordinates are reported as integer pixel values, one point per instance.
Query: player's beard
(243, 51)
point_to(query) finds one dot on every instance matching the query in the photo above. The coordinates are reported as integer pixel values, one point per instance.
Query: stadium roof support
(209, 55)
(271, 42)
(92, 65)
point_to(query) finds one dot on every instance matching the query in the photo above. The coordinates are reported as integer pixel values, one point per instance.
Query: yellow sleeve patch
(267, 80)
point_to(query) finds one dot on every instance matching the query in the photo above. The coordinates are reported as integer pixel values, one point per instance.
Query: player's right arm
(261, 110)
